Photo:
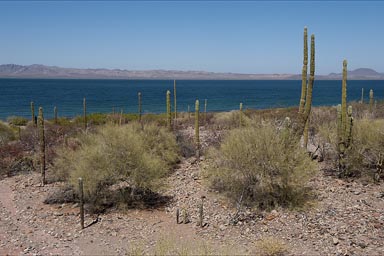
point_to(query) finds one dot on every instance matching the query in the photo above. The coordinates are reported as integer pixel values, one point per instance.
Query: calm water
(104, 95)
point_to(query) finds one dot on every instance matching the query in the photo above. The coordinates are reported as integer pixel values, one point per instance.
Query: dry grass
(270, 246)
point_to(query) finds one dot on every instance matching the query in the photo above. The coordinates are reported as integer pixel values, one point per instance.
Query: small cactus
(169, 114)
(197, 138)
(81, 197)
(85, 114)
(139, 103)
(33, 114)
(42, 145)
(371, 100)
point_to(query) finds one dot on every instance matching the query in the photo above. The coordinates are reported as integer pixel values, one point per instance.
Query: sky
(218, 36)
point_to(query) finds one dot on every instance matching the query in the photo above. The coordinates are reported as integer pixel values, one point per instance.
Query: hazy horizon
(249, 37)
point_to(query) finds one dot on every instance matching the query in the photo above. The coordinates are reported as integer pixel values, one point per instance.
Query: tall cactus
(42, 145)
(85, 114)
(55, 114)
(139, 103)
(241, 114)
(308, 99)
(371, 100)
(344, 98)
(189, 113)
(362, 96)
(344, 123)
(174, 99)
(205, 111)
(304, 73)
(33, 113)
(197, 134)
(169, 114)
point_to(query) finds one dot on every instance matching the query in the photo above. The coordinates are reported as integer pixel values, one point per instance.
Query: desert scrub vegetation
(263, 165)
(365, 154)
(138, 156)
(6, 133)
(17, 120)
(228, 120)
(270, 246)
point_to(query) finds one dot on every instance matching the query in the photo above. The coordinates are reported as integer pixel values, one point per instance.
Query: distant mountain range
(41, 71)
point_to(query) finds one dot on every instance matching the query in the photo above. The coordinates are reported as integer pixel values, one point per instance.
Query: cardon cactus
(344, 123)
(42, 145)
(33, 113)
(241, 114)
(362, 96)
(139, 103)
(169, 115)
(308, 99)
(371, 100)
(197, 134)
(205, 111)
(85, 114)
(304, 73)
(174, 99)
(55, 114)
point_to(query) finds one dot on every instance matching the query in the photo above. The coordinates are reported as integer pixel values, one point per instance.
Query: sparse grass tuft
(270, 246)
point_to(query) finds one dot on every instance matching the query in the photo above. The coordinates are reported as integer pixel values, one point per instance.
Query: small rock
(335, 241)
(222, 227)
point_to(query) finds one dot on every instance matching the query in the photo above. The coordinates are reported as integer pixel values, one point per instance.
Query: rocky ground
(346, 218)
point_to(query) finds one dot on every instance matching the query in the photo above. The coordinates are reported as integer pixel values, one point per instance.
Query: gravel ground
(347, 218)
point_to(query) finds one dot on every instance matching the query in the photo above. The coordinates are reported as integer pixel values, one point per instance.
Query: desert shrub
(17, 120)
(270, 246)
(366, 152)
(139, 157)
(228, 120)
(326, 140)
(13, 159)
(63, 121)
(6, 133)
(261, 165)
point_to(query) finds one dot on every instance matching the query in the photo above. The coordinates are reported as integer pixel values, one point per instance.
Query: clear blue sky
(219, 36)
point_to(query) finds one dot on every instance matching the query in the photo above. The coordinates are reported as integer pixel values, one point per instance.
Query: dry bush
(269, 246)
(17, 120)
(365, 155)
(367, 151)
(229, 120)
(262, 165)
(139, 157)
(6, 133)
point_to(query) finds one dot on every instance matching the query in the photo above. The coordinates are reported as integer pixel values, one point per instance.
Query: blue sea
(104, 95)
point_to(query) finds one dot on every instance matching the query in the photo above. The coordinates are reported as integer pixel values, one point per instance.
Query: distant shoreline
(37, 71)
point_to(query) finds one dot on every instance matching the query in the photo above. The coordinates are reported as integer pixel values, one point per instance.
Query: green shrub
(6, 133)
(366, 152)
(227, 120)
(266, 166)
(139, 157)
(17, 120)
